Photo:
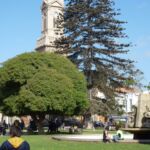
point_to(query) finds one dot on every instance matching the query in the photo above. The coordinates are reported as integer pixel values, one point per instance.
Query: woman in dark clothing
(106, 137)
(15, 142)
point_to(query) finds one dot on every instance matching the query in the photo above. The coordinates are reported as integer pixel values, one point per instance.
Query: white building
(128, 99)
(51, 10)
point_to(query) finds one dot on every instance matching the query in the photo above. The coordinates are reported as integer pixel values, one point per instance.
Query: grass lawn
(44, 142)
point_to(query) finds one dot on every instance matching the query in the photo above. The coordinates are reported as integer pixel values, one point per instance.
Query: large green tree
(93, 40)
(41, 83)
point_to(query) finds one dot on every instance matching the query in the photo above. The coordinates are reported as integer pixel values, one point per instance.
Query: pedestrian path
(93, 137)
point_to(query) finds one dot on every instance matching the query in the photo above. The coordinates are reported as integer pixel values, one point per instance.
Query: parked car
(72, 122)
(72, 125)
(98, 124)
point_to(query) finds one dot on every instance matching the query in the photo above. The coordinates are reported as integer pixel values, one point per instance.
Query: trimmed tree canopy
(41, 83)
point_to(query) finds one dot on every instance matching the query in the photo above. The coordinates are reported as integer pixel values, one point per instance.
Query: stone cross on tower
(50, 11)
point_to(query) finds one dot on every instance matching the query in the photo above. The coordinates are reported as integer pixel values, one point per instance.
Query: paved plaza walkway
(128, 138)
(93, 137)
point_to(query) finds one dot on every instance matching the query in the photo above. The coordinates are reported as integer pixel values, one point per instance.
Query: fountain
(140, 119)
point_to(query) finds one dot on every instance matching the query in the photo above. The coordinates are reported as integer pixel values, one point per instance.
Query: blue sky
(20, 27)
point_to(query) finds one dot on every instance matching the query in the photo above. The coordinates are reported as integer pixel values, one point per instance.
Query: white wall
(128, 100)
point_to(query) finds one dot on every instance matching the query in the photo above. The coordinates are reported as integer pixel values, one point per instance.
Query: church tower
(50, 11)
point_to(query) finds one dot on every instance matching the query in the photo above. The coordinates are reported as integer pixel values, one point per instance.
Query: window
(44, 21)
(130, 104)
(55, 18)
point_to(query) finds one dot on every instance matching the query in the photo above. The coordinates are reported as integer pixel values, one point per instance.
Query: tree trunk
(38, 120)
(40, 127)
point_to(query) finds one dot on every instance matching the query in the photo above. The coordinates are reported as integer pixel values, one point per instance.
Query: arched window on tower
(55, 18)
(44, 26)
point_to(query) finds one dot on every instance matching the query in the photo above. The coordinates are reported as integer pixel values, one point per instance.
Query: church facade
(50, 10)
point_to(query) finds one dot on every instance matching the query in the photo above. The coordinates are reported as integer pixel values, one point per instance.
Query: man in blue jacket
(15, 142)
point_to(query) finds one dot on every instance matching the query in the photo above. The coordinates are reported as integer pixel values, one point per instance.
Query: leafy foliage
(147, 86)
(41, 83)
(94, 42)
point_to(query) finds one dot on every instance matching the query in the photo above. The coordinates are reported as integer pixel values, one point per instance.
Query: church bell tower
(50, 12)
